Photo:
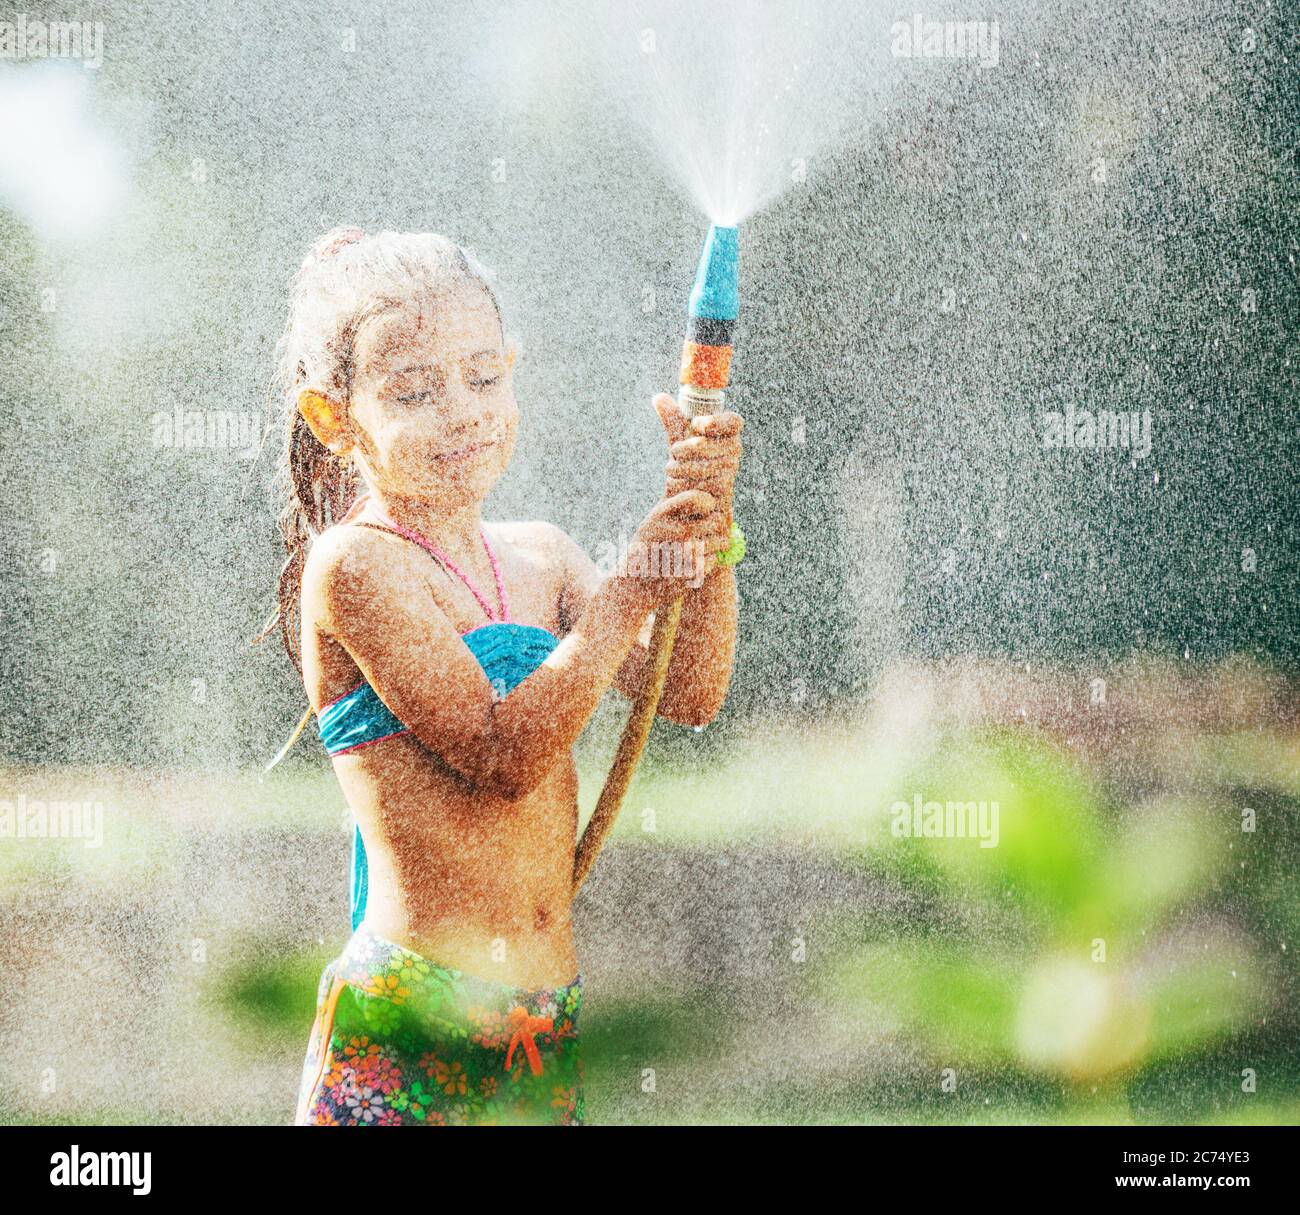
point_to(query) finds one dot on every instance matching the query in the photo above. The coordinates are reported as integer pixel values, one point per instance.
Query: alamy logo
(1106, 429)
(76, 1167)
(662, 559)
(23, 39)
(918, 819)
(922, 39)
(25, 820)
(222, 429)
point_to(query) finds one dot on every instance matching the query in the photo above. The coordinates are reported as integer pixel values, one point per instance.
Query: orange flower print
(450, 1077)
(334, 1077)
(359, 1051)
(388, 986)
(563, 1098)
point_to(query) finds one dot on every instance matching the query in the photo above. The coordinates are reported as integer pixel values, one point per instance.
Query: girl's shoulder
(347, 547)
(344, 562)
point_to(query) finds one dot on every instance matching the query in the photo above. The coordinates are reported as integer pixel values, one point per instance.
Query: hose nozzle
(711, 313)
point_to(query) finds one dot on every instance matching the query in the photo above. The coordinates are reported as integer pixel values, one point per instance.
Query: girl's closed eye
(415, 388)
(484, 374)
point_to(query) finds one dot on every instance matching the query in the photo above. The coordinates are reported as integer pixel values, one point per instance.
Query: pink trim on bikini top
(441, 557)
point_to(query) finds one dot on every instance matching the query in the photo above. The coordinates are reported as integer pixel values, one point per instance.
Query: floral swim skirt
(401, 1041)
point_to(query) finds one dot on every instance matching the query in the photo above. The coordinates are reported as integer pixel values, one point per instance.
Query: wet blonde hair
(345, 280)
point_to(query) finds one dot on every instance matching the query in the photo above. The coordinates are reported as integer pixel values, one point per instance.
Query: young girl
(451, 664)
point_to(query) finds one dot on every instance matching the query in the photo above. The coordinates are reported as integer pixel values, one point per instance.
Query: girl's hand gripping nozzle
(705, 373)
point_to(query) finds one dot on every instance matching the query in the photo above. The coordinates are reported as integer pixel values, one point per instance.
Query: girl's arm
(373, 600)
(705, 456)
(699, 671)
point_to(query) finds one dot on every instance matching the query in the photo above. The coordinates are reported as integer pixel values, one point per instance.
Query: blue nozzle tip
(716, 293)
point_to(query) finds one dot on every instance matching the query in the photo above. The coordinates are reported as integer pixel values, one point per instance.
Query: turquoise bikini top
(507, 651)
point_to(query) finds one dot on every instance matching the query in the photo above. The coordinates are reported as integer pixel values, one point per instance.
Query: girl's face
(432, 407)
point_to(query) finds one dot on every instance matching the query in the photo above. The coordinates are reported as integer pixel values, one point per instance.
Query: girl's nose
(460, 406)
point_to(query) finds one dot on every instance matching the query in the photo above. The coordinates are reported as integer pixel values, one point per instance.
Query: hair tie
(735, 551)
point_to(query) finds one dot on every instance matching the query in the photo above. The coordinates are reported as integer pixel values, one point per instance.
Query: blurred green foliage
(1093, 954)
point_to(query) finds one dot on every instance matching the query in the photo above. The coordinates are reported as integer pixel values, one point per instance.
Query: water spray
(703, 378)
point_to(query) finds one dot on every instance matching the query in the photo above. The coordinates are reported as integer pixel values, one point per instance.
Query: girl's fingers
(722, 488)
(718, 492)
(708, 530)
(689, 503)
(715, 527)
(713, 478)
(700, 447)
(728, 422)
(702, 468)
(723, 492)
(708, 534)
(709, 480)
(675, 423)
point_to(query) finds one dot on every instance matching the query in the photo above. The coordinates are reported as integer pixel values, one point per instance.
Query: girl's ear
(324, 418)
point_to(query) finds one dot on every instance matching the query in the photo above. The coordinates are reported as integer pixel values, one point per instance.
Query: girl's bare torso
(465, 878)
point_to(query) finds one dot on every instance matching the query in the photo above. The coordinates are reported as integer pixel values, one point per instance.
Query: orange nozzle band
(705, 366)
